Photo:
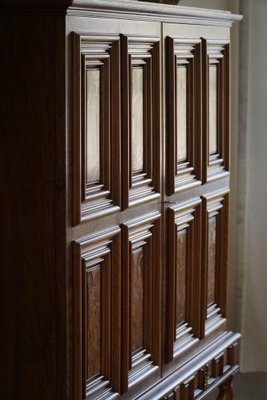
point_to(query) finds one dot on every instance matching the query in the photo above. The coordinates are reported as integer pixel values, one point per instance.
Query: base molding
(207, 370)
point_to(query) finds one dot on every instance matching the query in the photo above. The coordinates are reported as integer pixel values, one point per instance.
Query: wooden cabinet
(115, 138)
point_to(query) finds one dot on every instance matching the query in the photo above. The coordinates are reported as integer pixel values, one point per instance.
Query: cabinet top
(132, 8)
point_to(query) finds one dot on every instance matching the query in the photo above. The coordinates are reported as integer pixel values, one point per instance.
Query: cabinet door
(183, 203)
(141, 254)
(116, 207)
(196, 186)
(215, 167)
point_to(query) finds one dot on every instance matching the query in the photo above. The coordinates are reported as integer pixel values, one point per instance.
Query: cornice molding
(155, 11)
(133, 9)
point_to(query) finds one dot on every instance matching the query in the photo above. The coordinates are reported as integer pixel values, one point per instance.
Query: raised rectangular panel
(141, 121)
(94, 294)
(183, 109)
(181, 113)
(212, 233)
(93, 77)
(213, 109)
(137, 145)
(216, 119)
(215, 229)
(183, 276)
(137, 303)
(141, 353)
(97, 275)
(96, 119)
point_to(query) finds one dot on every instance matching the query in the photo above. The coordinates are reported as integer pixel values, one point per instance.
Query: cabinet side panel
(27, 210)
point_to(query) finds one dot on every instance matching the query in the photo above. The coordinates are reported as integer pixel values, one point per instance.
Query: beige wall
(254, 321)
(216, 4)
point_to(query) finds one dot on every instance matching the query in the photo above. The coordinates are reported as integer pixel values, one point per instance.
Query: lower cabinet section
(118, 296)
(212, 367)
(123, 300)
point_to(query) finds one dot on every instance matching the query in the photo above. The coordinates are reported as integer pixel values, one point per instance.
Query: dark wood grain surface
(27, 295)
(211, 260)
(94, 322)
(137, 301)
(181, 272)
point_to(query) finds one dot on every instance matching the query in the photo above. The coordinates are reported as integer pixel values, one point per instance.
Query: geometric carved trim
(215, 259)
(216, 113)
(141, 121)
(96, 130)
(183, 113)
(183, 277)
(97, 298)
(212, 374)
(141, 291)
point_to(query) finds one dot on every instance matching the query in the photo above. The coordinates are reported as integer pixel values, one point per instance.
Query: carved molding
(163, 12)
(141, 235)
(181, 335)
(216, 56)
(141, 53)
(99, 194)
(185, 172)
(97, 279)
(212, 374)
(215, 209)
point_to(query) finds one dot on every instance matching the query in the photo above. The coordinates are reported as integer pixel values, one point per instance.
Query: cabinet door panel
(216, 108)
(183, 272)
(215, 237)
(97, 274)
(183, 109)
(96, 103)
(141, 354)
(141, 88)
